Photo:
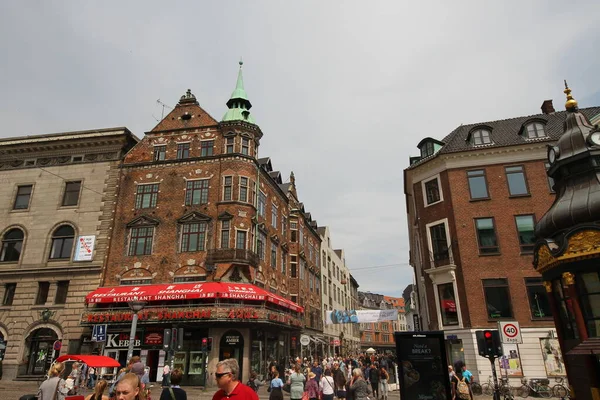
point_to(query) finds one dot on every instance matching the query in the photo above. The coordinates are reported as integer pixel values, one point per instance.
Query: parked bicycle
(535, 386)
(504, 387)
(476, 389)
(560, 390)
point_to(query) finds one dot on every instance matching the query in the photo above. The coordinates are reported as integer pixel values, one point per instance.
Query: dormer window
(427, 149)
(480, 137)
(535, 130)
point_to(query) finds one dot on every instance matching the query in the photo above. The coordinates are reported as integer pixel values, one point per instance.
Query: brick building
(473, 199)
(380, 335)
(56, 202)
(213, 241)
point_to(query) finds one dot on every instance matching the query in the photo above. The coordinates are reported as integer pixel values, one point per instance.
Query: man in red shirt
(229, 385)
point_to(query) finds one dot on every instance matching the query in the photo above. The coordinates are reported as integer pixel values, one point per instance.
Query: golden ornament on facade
(548, 286)
(569, 278)
(581, 245)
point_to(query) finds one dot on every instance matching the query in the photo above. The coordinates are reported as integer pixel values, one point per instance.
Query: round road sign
(510, 330)
(304, 340)
(57, 345)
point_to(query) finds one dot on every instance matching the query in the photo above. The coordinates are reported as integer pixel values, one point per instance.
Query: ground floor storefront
(538, 356)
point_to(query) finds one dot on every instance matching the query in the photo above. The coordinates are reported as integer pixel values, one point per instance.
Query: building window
(9, 294)
(538, 300)
(535, 130)
(227, 188)
(274, 216)
(517, 184)
(427, 149)
(273, 256)
(62, 242)
(23, 197)
(550, 179)
(588, 287)
(294, 266)
(261, 241)
(497, 298)
(62, 287)
(486, 235)
(193, 237)
(262, 203)
(294, 299)
(71, 194)
(525, 224)
(189, 278)
(283, 262)
(477, 184)
(197, 192)
(225, 227)
(140, 242)
(229, 142)
(448, 308)
(284, 228)
(135, 282)
(240, 239)
(42, 294)
(245, 146)
(243, 189)
(12, 244)
(481, 137)
(206, 148)
(294, 232)
(160, 153)
(183, 151)
(146, 196)
(439, 242)
(432, 191)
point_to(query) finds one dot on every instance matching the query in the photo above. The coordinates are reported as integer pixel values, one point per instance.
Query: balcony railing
(441, 258)
(238, 256)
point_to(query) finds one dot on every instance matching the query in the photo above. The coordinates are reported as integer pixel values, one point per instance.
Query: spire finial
(571, 104)
(241, 62)
(292, 178)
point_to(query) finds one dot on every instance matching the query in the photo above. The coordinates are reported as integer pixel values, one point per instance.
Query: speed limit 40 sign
(510, 332)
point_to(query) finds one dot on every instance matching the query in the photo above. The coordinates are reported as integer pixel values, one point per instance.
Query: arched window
(535, 130)
(12, 243)
(62, 242)
(480, 137)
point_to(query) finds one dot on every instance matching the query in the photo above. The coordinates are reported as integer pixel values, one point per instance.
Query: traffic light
(204, 344)
(488, 343)
(179, 339)
(209, 344)
(167, 338)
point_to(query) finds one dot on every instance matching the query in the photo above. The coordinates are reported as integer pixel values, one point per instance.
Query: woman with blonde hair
(99, 391)
(53, 388)
(130, 388)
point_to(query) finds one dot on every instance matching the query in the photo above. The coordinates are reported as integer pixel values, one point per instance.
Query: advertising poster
(422, 366)
(553, 360)
(510, 363)
(84, 248)
(360, 316)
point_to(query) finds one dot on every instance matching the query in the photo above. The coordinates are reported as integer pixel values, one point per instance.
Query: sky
(343, 91)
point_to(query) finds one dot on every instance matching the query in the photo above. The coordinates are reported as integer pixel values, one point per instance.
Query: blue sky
(343, 91)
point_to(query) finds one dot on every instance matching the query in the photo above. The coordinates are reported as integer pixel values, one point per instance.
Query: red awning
(91, 361)
(187, 291)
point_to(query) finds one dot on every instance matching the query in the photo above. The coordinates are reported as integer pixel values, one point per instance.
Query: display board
(422, 363)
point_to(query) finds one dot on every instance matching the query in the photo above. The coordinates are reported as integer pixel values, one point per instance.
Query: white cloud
(343, 91)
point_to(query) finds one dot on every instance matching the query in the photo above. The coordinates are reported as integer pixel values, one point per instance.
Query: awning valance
(188, 291)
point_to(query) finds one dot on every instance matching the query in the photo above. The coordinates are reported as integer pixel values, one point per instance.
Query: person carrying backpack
(460, 385)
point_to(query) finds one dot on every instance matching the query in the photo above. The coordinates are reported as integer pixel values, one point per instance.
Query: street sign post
(510, 332)
(99, 333)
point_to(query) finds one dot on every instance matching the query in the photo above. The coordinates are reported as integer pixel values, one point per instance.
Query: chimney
(547, 107)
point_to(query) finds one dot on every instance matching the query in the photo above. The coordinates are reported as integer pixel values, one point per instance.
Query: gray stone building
(56, 202)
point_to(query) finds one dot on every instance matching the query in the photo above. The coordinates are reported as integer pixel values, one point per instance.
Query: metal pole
(496, 388)
(132, 335)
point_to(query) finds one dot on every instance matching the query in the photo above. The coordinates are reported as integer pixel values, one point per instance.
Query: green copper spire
(238, 104)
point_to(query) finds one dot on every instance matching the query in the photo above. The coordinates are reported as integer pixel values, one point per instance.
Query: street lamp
(136, 306)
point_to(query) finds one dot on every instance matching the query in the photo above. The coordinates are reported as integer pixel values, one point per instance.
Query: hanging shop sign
(153, 338)
(120, 340)
(232, 340)
(84, 249)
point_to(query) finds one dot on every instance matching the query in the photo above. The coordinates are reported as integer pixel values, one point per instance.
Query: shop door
(232, 346)
(152, 363)
(40, 343)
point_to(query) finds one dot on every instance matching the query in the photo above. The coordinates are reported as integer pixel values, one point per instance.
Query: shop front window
(588, 287)
(448, 304)
(455, 351)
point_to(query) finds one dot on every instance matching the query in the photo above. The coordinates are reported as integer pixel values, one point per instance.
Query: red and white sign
(510, 332)
(188, 291)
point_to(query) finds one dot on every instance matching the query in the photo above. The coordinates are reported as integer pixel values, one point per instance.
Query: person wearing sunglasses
(227, 376)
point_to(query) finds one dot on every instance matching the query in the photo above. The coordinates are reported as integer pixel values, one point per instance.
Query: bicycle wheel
(560, 391)
(476, 389)
(487, 389)
(544, 391)
(523, 391)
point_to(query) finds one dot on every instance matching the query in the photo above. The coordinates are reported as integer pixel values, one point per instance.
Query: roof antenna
(162, 115)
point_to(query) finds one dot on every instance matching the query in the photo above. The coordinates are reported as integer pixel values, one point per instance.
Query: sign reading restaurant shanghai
(187, 291)
(84, 249)
(360, 316)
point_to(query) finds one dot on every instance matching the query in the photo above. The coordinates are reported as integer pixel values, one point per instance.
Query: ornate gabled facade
(208, 235)
(567, 250)
(57, 199)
